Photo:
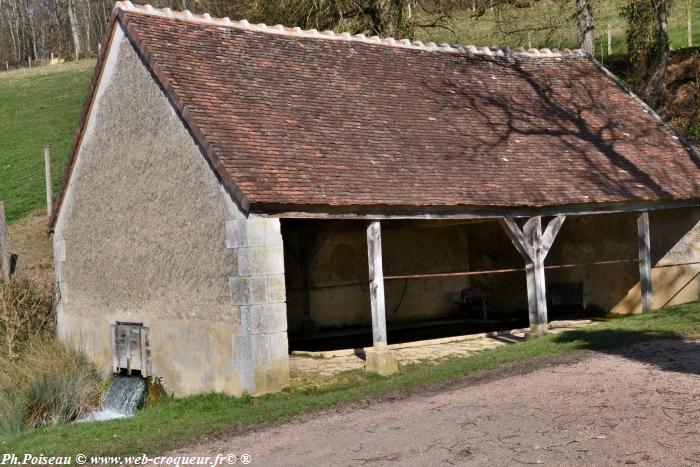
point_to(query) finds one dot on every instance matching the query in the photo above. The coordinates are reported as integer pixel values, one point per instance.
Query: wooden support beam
(644, 245)
(534, 245)
(551, 233)
(534, 272)
(516, 236)
(376, 284)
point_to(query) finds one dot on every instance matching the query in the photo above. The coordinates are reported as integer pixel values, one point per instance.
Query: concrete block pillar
(260, 350)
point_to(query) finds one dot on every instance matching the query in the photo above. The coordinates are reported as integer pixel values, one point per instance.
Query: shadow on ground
(664, 350)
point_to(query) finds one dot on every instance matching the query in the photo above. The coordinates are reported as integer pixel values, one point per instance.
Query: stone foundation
(381, 360)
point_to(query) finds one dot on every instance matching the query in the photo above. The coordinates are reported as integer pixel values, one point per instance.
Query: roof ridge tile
(206, 18)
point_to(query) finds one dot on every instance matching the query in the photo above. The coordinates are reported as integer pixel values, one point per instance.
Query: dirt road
(640, 407)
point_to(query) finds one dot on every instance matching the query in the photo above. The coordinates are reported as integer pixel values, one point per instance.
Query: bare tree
(649, 47)
(374, 17)
(584, 25)
(75, 31)
(655, 87)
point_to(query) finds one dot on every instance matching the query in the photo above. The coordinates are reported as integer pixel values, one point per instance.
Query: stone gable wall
(148, 234)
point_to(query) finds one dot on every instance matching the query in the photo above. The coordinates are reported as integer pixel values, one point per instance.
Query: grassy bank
(550, 24)
(37, 106)
(169, 425)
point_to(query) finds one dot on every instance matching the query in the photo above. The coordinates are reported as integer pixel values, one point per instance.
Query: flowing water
(123, 397)
(124, 394)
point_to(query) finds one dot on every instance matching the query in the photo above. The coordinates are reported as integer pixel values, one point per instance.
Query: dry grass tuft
(25, 312)
(48, 384)
(42, 381)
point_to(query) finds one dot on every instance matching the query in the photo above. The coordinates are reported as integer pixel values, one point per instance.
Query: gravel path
(640, 407)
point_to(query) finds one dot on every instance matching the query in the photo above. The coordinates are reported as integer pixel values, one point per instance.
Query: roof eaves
(297, 32)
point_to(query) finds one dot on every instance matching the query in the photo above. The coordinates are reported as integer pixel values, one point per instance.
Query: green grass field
(37, 107)
(174, 423)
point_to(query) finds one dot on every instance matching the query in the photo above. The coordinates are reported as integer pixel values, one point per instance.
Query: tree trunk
(584, 25)
(18, 33)
(654, 90)
(88, 14)
(74, 28)
(32, 31)
(387, 18)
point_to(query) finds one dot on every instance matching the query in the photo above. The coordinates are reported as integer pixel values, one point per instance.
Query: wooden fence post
(4, 246)
(690, 23)
(47, 176)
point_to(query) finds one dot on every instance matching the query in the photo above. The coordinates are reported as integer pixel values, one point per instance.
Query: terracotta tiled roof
(296, 120)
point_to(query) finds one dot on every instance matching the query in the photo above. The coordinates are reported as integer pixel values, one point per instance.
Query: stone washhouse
(236, 188)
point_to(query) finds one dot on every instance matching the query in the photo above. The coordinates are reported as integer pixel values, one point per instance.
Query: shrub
(47, 384)
(25, 311)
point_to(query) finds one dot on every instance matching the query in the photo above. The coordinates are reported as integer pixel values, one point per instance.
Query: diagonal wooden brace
(534, 245)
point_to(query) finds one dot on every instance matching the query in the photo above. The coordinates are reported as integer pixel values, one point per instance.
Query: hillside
(550, 24)
(39, 106)
(683, 108)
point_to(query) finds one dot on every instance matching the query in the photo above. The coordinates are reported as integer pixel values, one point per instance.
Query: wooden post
(47, 176)
(609, 39)
(534, 245)
(690, 23)
(379, 359)
(4, 247)
(644, 245)
(115, 348)
(535, 269)
(529, 40)
(376, 284)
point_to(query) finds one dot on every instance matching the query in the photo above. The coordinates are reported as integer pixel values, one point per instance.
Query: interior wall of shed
(338, 294)
(338, 273)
